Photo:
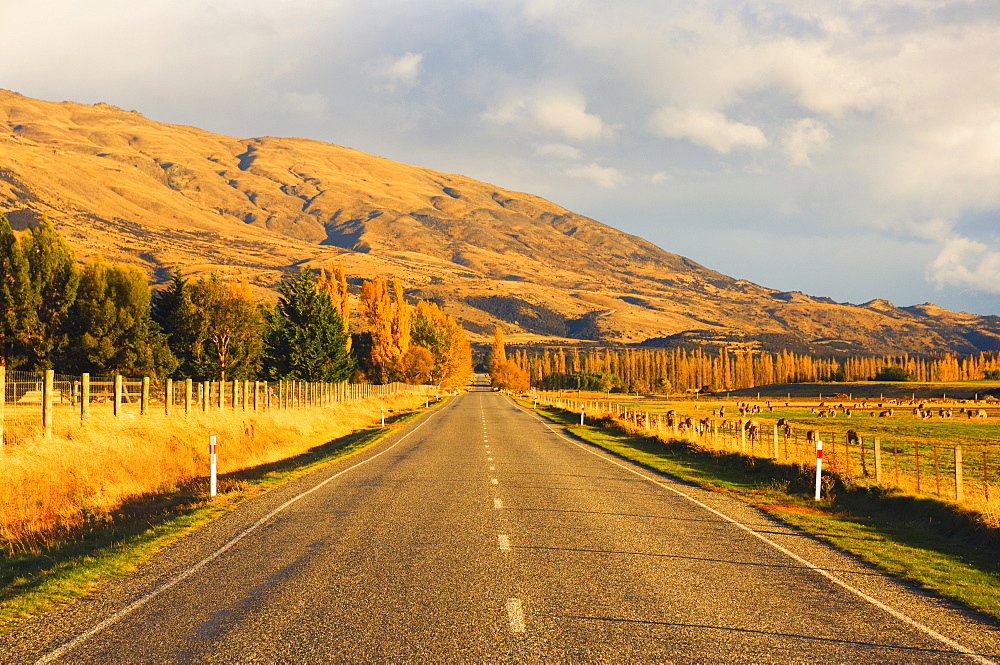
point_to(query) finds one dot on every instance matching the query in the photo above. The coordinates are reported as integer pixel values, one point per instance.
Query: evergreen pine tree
(305, 336)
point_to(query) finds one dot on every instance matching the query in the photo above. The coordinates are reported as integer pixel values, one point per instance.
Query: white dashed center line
(495, 481)
(493, 468)
(504, 542)
(516, 614)
(497, 503)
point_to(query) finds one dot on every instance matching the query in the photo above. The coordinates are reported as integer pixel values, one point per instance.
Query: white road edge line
(839, 582)
(497, 503)
(504, 542)
(136, 604)
(516, 615)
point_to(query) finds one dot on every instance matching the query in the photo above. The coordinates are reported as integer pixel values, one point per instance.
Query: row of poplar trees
(104, 317)
(671, 370)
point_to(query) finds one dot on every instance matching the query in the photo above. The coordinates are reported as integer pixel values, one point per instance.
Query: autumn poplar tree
(334, 283)
(504, 372)
(389, 318)
(437, 332)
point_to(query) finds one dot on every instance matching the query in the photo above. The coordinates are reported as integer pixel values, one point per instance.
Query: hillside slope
(136, 190)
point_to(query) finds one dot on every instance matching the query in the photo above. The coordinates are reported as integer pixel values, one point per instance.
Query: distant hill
(119, 184)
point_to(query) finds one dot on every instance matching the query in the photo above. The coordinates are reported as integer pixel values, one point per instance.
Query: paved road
(482, 534)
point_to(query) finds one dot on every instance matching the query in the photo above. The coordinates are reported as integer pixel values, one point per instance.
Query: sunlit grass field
(917, 454)
(52, 486)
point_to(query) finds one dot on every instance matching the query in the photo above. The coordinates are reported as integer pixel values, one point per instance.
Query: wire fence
(969, 476)
(34, 398)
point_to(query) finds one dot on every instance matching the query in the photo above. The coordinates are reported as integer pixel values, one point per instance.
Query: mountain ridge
(117, 183)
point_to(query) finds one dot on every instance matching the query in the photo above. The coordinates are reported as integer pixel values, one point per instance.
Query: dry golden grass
(49, 486)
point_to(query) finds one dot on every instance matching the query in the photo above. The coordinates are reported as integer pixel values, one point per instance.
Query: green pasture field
(907, 441)
(857, 390)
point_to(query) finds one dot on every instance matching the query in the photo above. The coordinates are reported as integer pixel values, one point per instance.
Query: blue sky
(847, 149)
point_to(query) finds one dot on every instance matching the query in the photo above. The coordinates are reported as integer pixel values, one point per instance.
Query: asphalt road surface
(480, 533)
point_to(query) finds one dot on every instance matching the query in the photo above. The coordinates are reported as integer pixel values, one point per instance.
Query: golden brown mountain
(161, 195)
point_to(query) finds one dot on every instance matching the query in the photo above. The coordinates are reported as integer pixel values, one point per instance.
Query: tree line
(104, 317)
(681, 369)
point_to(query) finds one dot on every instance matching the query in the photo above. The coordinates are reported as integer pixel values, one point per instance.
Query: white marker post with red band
(211, 466)
(582, 411)
(819, 469)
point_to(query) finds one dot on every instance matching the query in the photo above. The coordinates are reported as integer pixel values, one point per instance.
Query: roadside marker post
(212, 485)
(582, 410)
(819, 469)
(382, 408)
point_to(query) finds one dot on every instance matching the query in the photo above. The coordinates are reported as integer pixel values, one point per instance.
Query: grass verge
(115, 544)
(933, 544)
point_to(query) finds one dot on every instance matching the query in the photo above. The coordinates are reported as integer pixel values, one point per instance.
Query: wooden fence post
(144, 397)
(895, 462)
(774, 442)
(222, 394)
(47, 389)
(188, 390)
(959, 489)
(84, 397)
(878, 460)
(168, 396)
(206, 394)
(3, 398)
(986, 483)
(117, 404)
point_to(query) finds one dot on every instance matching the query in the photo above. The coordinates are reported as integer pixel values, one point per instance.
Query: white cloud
(603, 176)
(807, 137)
(968, 263)
(559, 112)
(708, 128)
(558, 151)
(403, 72)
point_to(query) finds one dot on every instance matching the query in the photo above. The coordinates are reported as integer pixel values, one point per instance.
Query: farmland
(916, 437)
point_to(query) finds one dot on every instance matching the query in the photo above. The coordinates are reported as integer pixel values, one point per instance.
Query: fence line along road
(31, 398)
(944, 471)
